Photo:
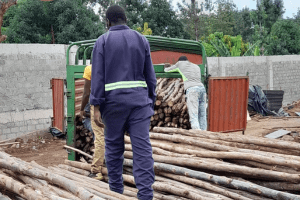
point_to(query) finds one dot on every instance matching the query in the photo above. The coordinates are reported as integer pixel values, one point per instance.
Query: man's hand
(97, 117)
(167, 65)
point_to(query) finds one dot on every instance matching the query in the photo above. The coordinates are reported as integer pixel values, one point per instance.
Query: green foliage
(163, 20)
(37, 22)
(224, 18)
(243, 23)
(284, 38)
(145, 30)
(274, 10)
(134, 10)
(219, 45)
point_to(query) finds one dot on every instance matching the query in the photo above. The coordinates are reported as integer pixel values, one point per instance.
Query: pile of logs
(83, 140)
(170, 111)
(189, 164)
(170, 106)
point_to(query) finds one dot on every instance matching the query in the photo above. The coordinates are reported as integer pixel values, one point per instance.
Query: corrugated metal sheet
(227, 103)
(159, 57)
(58, 120)
(79, 86)
(275, 98)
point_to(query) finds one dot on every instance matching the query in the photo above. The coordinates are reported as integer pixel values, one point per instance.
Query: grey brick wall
(269, 72)
(25, 94)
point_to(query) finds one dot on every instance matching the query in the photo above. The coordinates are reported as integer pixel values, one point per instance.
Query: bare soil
(44, 152)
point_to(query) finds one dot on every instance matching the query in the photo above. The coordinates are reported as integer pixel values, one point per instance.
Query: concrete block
(31, 127)
(3, 137)
(39, 126)
(10, 125)
(15, 130)
(6, 131)
(12, 136)
(24, 129)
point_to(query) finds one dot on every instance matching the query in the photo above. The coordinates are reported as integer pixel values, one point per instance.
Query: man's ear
(108, 23)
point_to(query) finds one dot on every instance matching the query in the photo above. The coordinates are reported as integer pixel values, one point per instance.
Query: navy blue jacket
(122, 54)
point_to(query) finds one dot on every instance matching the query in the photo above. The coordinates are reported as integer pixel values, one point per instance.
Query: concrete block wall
(269, 72)
(25, 94)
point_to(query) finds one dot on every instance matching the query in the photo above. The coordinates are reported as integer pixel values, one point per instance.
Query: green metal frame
(156, 43)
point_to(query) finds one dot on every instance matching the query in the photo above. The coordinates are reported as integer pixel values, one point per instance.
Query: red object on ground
(58, 120)
(227, 103)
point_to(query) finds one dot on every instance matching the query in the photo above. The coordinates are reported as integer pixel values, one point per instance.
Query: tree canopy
(59, 21)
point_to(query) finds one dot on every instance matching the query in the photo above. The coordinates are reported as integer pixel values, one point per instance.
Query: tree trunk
(232, 155)
(17, 187)
(253, 188)
(224, 167)
(50, 177)
(241, 139)
(205, 185)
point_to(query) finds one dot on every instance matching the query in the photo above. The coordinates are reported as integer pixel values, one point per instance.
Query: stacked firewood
(189, 164)
(83, 139)
(170, 106)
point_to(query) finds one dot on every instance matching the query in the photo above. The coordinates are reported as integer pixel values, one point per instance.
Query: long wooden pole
(232, 138)
(236, 184)
(14, 166)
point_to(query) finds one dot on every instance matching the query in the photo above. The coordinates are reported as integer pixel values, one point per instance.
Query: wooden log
(153, 123)
(160, 123)
(245, 139)
(176, 97)
(77, 150)
(178, 191)
(165, 92)
(191, 189)
(88, 139)
(246, 194)
(161, 115)
(215, 147)
(239, 145)
(253, 188)
(232, 155)
(75, 170)
(265, 166)
(17, 187)
(166, 110)
(156, 117)
(162, 83)
(169, 110)
(159, 111)
(37, 185)
(224, 167)
(164, 104)
(68, 185)
(175, 91)
(281, 186)
(205, 185)
(183, 110)
(158, 102)
(168, 119)
(168, 94)
(86, 182)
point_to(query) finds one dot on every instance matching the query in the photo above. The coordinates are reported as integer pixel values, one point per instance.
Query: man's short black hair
(182, 58)
(115, 13)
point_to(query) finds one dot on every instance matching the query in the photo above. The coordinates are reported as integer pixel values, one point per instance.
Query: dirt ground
(51, 152)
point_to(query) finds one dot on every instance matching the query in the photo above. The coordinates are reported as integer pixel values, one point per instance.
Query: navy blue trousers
(131, 115)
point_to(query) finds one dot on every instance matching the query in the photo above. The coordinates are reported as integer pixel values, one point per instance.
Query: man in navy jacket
(123, 92)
